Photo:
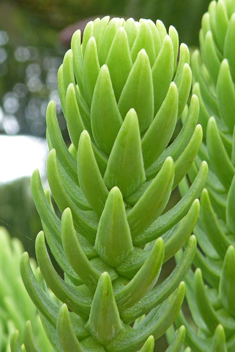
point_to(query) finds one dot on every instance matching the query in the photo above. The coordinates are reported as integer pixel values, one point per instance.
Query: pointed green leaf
(107, 38)
(208, 97)
(119, 61)
(67, 337)
(210, 274)
(144, 280)
(184, 162)
(212, 17)
(176, 148)
(60, 195)
(42, 205)
(174, 215)
(83, 108)
(210, 57)
(45, 305)
(215, 234)
(176, 239)
(156, 323)
(51, 225)
(229, 7)
(230, 209)
(61, 87)
(29, 341)
(219, 340)
(89, 176)
(197, 343)
(149, 345)
(57, 141)
(131, 28)
(68, 73)
(148, 208)
(221, 23)
(105, 116)
(178, 341)
(144, 40)
(71, 187)
(227, 284)
(77, 299)
(73, 116)
(65, 77)
(184, 87)
(162, 29)
(203, 113)
(77, 258)
(104, 322)
(155, 35)
(205, 23)
(99, 28)
(77, 56)
(184, 58)
(125, 167)
(229, 50)
(14, 342)
(204, 305)
(91, 69)
(162, 291)
(219, 155)
(162, 72)
(226, 95)
(161, 129)
(113, 240)
(62, 198)
(138, 92)
(87, 34)
(175, 41)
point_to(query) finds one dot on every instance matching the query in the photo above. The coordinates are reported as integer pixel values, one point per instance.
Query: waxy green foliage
(212, 305)
(122, 91)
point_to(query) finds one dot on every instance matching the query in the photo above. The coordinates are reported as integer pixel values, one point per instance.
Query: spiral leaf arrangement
(212, 305)
(122, 91)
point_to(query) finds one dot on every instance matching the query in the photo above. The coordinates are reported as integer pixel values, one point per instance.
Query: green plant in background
(212, 305)
(16, 306)
(112, 185)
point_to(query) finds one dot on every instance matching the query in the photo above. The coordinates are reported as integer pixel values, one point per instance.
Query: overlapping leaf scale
(210, 300)
(112, 186)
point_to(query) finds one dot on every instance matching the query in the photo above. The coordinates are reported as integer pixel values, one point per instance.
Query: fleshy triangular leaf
(144, 280)
(104, 322)
(29, 341)
(75, 254)
(125, 167)
(119, 61)
(89, 176)
(227, 283)
(149, 345)
(106, 119)
(161, 129)
(219, 340)
(138, 92)
(68, 339)
(148, 208)
(113, 240)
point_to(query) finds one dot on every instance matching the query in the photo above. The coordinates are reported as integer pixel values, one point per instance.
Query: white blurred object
(20, 156)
